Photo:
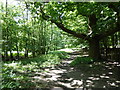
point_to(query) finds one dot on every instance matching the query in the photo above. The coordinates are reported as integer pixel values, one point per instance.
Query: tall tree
(100, 19)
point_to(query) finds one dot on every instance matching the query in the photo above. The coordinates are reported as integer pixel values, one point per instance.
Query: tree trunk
(94, 49)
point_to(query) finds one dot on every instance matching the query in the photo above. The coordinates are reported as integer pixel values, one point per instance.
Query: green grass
(81, 60)
(16, 74)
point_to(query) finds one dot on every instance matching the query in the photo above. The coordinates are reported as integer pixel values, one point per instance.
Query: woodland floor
(104, 75)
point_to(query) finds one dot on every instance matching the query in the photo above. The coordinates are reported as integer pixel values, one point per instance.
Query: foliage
(22, 29)
(81, 60)
(91, 21)
(25, 30)
(15, 72)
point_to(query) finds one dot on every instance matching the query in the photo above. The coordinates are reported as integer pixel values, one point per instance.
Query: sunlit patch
(80, 88)
(118, 65)
(88, 81)
(11, 64)
(117, 81)
(97, 63)
(103, 74)
(58, 71)
(19, 78)
(53, 78)
(85, 55)
(90, 65)
(56, 88)
(67, 61)
(70, 79)
(104, 86)
(71, 68)
(87, 85)
(95, 78)
(67, 50)
(105, 77)
(112, 84)
(110, 73)
(90, 77)
(37, 77)
(109, 68)
(68, 85)
(92, 1)
(76, 82)
(46, 70)
(106, 66)
(112, 63)
(82, 74)
(41, 74)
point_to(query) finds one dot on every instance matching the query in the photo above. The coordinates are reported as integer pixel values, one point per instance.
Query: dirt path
(93, 76)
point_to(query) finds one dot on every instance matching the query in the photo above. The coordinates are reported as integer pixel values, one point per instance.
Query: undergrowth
(15, 74)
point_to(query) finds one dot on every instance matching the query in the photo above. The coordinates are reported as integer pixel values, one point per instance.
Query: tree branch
(61, 26)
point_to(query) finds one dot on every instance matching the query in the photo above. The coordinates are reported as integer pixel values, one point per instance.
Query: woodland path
(105, 76)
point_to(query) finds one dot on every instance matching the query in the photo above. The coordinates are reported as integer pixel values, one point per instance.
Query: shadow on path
(97, 76)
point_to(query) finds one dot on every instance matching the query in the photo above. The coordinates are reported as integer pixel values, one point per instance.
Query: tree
(25, 33)
(100, 20)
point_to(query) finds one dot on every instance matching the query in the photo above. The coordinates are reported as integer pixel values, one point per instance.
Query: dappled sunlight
(65, 84)
(67, 50)
(58, 71)
(118, 82)
(57, 88)
(68, 62)
(37, 77)
(11, 64)
(110, 73)
(77, 78)
(60, 45)
(63, 75)
(51, 75)
(77, 82)
(106, 77)
(86, 55)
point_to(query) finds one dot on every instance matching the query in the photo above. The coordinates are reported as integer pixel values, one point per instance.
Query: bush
(81, 60)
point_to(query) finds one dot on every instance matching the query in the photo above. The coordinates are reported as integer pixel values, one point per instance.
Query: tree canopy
(89, 21)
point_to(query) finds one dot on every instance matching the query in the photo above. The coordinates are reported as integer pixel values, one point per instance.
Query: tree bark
(94, 49)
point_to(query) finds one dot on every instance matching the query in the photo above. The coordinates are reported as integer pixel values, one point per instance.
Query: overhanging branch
(79, 35)
(61, 26)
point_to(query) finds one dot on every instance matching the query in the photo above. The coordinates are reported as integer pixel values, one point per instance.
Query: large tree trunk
(94, 49)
